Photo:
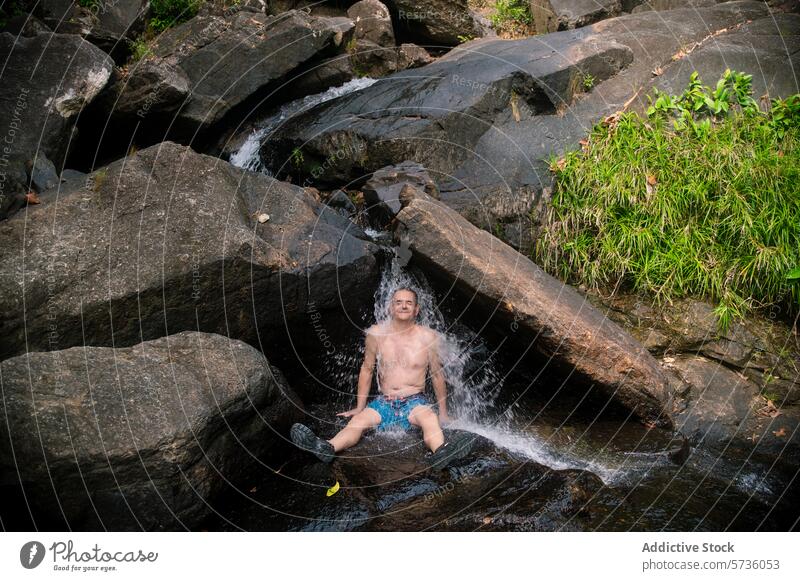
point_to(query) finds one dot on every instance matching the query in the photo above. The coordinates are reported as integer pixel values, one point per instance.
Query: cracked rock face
(168, 240)
(47, 81)
(138, 438)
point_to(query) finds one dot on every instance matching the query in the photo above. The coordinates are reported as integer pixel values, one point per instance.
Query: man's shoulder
(376, 330)
(427, 333)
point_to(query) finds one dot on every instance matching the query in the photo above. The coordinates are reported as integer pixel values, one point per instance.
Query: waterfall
(247, 156)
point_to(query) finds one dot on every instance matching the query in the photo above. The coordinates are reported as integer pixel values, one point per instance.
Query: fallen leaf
(487, 520)
(651, 179)
(252, 490)
(657, 71)
(333, 489)
(780, 433)
(32, 198)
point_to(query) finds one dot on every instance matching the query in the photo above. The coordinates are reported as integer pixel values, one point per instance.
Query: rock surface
(487, 133)
(168, 240)
(439, 22)
(109, 25)
(141, 438)
(547, 316)
(237, 58)
(39, 104)
(385, 485)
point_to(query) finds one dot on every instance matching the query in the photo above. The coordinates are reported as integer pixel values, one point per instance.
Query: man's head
(404, 305)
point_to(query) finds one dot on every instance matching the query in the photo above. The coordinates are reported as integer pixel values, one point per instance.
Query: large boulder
(109, 25)
(373, 22)
(168, 240)
(45, 83)
(139, 438)
(521, 300)
(487, 118)
(438, 22)
(385, 485)
(552, 15)
(229, 61)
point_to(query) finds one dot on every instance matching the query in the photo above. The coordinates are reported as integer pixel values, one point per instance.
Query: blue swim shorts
(394, 412)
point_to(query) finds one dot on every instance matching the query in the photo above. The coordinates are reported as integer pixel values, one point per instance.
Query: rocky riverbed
(196, 232)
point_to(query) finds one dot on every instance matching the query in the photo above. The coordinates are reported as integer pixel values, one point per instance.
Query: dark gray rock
(39, 105)
(386, 485)
(141, 438)
(437, 22)
(488, 131)
(341, 201)
(661, 5)
(553, 15)
(531, 308)
(373, 22)
(25, 25)
(108, 25)
(230, 60)
(411, 56)
(382, 190)
(168, 240)
(42, 173)
(152, 85)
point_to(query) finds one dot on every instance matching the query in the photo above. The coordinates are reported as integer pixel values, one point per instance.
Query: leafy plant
(140, 48)
(694, 200)
(506, 11)
(297, 157)
(588, 81)
(168, 13)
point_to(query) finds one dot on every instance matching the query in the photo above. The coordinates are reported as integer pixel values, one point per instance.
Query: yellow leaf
(333, 489)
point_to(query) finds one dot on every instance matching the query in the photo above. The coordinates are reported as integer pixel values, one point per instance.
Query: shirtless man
(404, 353)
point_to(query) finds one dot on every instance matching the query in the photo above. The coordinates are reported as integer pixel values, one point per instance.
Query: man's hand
(350, 413)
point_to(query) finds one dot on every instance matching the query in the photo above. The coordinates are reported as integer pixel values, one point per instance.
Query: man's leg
(351, 434)
(425, 418)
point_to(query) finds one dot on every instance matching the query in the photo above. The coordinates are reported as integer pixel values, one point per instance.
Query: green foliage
(91, 4)
(707, 207)
(168, 13)
(462, 38)
(588, 81)
(518, 11)
(297, 157)
(140, 48)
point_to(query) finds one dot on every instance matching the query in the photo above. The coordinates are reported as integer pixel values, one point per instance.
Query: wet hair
(409, 289)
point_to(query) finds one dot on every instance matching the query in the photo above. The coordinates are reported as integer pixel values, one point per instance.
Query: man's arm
(364, 376)
(437, 378)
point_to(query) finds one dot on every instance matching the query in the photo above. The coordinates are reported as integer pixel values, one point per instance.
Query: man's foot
(453, 449)
(307, 440)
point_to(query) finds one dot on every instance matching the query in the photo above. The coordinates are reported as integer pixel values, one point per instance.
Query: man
(404, 353)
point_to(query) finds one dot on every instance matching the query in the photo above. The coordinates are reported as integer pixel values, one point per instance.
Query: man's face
(404, 306)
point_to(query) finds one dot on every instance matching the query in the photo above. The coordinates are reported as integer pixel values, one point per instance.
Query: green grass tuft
(699, 199)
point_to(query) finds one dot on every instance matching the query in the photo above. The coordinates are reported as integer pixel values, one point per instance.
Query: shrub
(702, 198)
(168, 13)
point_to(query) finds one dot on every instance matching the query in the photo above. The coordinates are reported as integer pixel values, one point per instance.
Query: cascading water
(247, 156)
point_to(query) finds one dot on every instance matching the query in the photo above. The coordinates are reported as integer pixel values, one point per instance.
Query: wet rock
(438, 22)
(524, 302)
(373, 23)
(382, 190)
(762, 349)
(168, 240)
(40, 106)
(332, 72)
(487, 132)
(436, 114)
(411, 56)
(385, 485)
(141, 438)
